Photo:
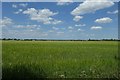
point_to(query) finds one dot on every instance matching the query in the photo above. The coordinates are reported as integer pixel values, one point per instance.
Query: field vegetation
(60, 59)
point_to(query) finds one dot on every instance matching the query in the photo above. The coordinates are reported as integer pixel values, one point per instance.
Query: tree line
(14, 39)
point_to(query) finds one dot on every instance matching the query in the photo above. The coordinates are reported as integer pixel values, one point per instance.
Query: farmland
(60, 59)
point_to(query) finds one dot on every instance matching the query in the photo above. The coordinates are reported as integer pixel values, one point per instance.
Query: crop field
(60, 59)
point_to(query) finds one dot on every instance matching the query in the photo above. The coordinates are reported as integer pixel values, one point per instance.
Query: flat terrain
(55, 59)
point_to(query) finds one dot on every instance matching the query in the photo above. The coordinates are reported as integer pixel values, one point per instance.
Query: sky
(60, 20)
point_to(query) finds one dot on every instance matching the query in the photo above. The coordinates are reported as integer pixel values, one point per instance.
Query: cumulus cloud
(27, 26)
(19, 5)
(14, 6)
(64, 2)
(19, 11)
(90, 6)
(80, 29)
(42, 15)
(79, 25)
(70, 27)
(96, 27)
(55, 28)
(23, 4)
(24, 33)
(6, 22)
(103, 20)
(56, 21)
(77, 18)
(113, 12)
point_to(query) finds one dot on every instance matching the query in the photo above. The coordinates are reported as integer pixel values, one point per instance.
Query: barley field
(60, 59)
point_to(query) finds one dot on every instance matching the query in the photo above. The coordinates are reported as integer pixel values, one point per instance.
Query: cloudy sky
(60, 20)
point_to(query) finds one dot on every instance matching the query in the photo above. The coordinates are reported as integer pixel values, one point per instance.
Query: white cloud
(19, 5)
(96, 27)
(27, 26)
(44, 34)
(55, 28)
(14, 5)
(6, 22)
(42, 15)
(79, 25)
(103, 20)
(56, 22)
(80, 29)
(19, 11)
(31, 30)
(38, 28)
(90, 6)
(77, 18)
(64, 2)
(113, 12)
(23, 4)
(70, 27)
(60, 32)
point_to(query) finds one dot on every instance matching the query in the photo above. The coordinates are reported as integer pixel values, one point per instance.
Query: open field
(55, 59)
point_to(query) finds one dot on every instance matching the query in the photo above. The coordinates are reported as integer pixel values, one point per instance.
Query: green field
(56, 59)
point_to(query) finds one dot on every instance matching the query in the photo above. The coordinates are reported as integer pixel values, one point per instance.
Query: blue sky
(53, 20)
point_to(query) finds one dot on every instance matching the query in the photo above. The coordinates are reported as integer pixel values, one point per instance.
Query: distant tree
(4, 39)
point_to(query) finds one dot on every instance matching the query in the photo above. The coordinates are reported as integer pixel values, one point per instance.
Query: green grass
(55, 59)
